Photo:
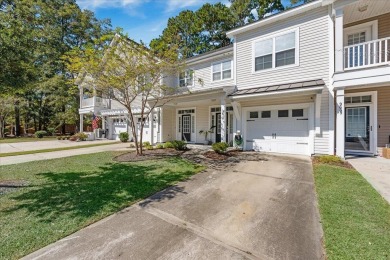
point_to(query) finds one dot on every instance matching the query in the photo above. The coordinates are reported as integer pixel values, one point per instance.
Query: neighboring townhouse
(362, 76)
(310, 80)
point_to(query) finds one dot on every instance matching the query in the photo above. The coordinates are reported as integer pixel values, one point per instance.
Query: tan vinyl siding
(383, 24)
(313, 51)
(383, 94)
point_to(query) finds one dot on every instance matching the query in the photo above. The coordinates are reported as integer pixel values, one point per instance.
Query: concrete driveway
(257, 210)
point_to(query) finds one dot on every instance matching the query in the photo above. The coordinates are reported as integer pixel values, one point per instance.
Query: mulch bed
(208, 158)
(340, 163)
(148, 155)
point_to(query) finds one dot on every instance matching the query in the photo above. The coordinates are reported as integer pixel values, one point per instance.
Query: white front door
(278, 130)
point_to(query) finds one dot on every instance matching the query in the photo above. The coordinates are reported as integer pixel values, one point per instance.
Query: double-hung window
(222, 70)
(276, 51)
(186, 78)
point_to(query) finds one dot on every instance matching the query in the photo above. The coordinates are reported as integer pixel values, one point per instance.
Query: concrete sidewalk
(376, 170)
(66, 153)
(41, 145)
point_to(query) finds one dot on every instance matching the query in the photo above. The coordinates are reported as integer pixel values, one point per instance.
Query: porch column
(340, 124)
(81, 96)
(151, 123)
(223, 120)
(81, 129)
(339, 40)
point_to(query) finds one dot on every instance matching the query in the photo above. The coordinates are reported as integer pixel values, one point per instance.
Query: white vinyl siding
(313, 51)
(203, 76)
(313, 61)
(276, 51)
(222, 70)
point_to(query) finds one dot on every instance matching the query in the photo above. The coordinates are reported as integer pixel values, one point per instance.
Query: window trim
(370, 28)
(220, 62)
(193, 78)
(273, 37)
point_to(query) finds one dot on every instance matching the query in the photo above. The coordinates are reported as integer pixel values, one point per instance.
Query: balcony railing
(367, 54)
(94, 102)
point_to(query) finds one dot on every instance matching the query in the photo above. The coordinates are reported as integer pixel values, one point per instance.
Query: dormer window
(186, 78)
(277, 51)
(222, 70)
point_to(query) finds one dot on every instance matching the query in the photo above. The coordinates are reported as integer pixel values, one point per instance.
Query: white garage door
(119, 127)
(279, 131)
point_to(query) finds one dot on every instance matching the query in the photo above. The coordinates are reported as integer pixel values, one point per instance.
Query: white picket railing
(367, 54)
(94, 102)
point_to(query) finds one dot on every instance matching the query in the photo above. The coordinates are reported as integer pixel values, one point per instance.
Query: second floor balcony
(367, 54)
(362, 43)
(94, 102)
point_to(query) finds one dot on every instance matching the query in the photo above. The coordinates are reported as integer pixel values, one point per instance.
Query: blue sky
(141, 19)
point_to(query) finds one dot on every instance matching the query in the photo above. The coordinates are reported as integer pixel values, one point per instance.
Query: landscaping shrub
(160, 146)
(82, 136)
(148, 147)
(168, 145)
(59, 137)
(51, 131)
(220, 147)
(124, 137)
(79, 137)
(179, 145)
(40, 134)
(144, 144)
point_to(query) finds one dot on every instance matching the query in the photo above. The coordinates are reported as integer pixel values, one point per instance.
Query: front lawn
(355, 218)
(67, 194)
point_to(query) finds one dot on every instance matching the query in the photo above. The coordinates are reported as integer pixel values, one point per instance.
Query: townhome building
(314, 79)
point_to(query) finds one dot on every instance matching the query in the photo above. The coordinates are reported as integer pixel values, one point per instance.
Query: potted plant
(206, 134)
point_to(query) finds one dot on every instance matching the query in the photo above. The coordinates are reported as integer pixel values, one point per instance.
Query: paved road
(40, 145)
(60, 154)
(257, 210)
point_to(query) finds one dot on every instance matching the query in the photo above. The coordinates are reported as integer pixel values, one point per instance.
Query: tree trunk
(17, 118)
(2, 127)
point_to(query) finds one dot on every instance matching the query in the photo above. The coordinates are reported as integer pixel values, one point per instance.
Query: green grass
(68, 194)
(26, 139)
(55, 149)
(355, 218)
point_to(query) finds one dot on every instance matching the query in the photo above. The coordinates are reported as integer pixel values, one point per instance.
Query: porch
(198, 118)
(362, 120)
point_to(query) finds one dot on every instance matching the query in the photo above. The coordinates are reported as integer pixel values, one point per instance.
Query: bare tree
(133, 75)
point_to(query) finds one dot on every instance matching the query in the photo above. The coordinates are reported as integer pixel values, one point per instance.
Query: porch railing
(94, 102)
(367, 54)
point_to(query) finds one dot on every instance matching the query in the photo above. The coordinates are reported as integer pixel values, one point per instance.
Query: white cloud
(94, 4)
(173, 5)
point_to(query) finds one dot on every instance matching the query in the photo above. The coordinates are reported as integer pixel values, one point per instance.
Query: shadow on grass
(111, 187)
